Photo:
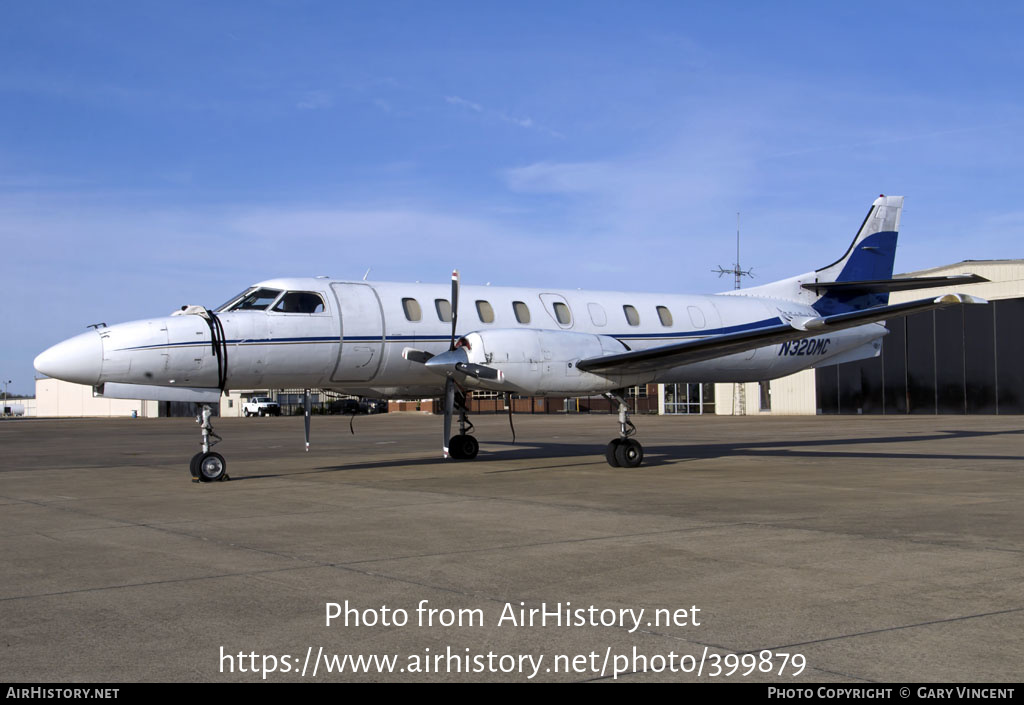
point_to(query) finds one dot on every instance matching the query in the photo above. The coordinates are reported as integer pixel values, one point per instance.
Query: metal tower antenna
(739, 390)
(737, 271)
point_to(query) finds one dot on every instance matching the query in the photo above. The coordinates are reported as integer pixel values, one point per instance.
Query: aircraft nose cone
(77, 359)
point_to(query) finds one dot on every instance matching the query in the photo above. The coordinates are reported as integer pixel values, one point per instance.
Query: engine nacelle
(538, 362)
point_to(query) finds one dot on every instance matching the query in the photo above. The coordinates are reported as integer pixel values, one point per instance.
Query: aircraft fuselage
(353, 342)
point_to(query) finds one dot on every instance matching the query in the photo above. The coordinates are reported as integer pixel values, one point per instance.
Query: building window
(444, 310)
(412, 309)
(521, 311)
(766, 395)
(632, 317)
(665, 315)
(484, 310)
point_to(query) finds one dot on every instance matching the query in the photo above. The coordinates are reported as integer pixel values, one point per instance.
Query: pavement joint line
(868, 537)
(513, 547)
(101, 588)
(125, 524)
(916, 625)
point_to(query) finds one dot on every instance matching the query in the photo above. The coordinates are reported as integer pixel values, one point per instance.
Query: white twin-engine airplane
(409, 340)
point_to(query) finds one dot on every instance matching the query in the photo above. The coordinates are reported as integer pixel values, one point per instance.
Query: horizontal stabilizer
(690, 351)
(885, 285)
(152, 392)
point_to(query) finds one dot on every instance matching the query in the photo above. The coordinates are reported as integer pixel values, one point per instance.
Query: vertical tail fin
(872, 252)
(869, 258)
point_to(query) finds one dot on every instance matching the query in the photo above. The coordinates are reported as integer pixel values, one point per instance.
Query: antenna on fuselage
(737, 271)
(367, 273)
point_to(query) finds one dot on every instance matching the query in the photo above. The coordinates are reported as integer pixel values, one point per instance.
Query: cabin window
(412, 309)
(597, 314)
(562, 314)
(484, 310)
(444, 310)
(257, 300)
(665, 315)
(632, 317)
(300, 302)
(521, 311)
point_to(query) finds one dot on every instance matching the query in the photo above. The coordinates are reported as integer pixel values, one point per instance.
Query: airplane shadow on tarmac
(662, 455)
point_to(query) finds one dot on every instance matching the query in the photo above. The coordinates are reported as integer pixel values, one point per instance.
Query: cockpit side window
(300, 302)
(256, 300)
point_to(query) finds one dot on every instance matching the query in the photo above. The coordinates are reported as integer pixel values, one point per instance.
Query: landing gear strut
(207, 466)
(463, 446)
(623, 452)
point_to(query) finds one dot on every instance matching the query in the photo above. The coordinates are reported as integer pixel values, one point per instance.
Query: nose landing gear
(207, 466)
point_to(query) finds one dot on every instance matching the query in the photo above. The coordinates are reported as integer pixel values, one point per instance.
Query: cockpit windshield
(252, 300)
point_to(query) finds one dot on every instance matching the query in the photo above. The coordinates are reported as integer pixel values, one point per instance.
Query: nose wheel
(207, 466)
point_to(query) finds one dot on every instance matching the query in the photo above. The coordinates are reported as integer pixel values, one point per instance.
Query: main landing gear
(623, 452)
(207, 466)
(462, 446)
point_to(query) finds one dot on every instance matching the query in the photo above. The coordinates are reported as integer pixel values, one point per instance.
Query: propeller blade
(449, 407)
(414, 355)
(308, 403)
(455, 306)
(479, 371)
(458, 361)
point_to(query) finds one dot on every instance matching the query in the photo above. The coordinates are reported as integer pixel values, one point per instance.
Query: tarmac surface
(871, 549)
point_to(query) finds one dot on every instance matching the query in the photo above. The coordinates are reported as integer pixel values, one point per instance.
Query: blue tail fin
(870, 258)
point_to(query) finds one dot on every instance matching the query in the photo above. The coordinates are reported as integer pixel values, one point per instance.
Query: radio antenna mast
(737, 271)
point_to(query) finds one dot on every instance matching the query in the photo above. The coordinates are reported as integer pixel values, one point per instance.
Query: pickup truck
(261, 406)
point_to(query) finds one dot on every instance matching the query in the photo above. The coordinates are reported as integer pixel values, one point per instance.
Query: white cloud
(316, 100)
(463, 103)
(526, 123)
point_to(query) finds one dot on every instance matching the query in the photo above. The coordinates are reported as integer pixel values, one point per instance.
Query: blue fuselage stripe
(445, 338)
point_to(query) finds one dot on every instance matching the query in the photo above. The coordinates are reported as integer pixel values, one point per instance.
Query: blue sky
(156, 154)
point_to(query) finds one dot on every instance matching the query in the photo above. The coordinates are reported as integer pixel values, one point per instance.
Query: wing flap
(690, 351)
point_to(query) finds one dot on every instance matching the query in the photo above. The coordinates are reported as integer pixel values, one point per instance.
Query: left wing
(690, 351)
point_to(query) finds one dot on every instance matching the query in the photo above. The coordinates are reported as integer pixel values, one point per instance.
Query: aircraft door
(361, 334)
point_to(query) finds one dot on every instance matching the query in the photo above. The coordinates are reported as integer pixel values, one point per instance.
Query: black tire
(193, 465)
(629, 454)
(609, 452)
(470, 447)
(455, 447)
(259, 413)
(245, 413)
(212, 467)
